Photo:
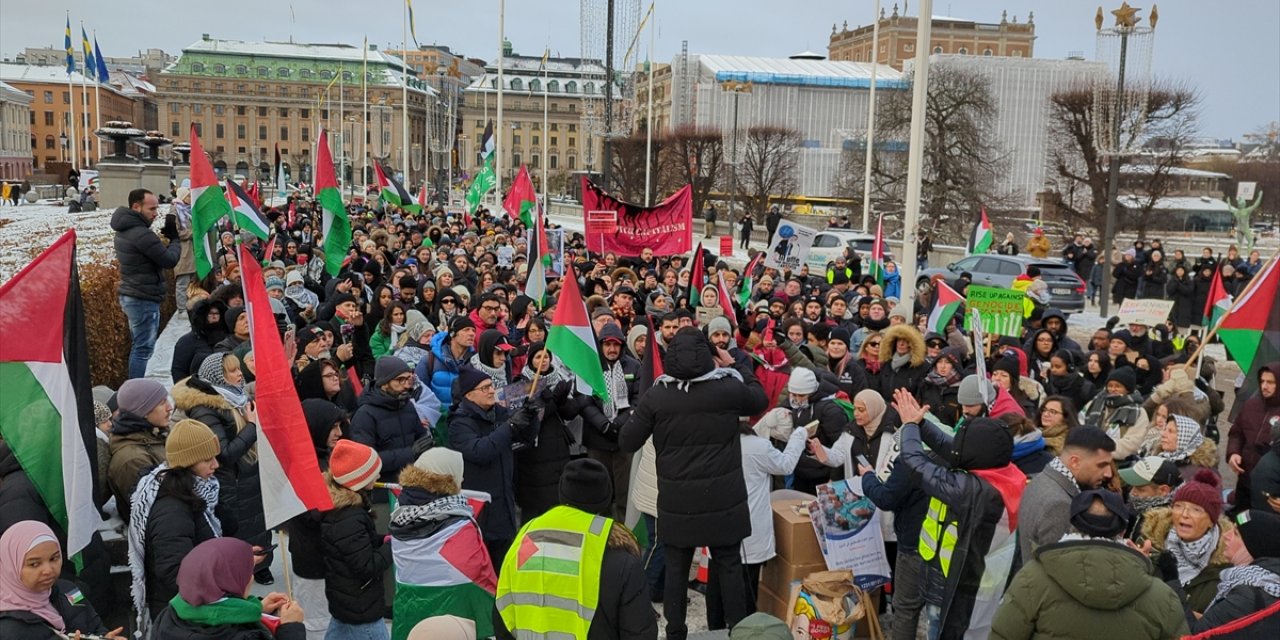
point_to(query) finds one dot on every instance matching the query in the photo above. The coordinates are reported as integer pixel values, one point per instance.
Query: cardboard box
(767, 601)
(795, 538)
(779, 574)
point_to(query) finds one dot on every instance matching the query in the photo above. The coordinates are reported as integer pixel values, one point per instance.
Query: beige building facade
(959, 36)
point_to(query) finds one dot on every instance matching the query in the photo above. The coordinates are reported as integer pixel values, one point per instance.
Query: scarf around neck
(439, 509)
(1192, 556)
(1189, 439)
(226, 611)
(1250, 575)
(1057, 465)
(616, 382)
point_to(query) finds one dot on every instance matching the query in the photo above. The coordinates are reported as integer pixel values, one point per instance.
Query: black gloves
(1166, 566)
(423, 443)
(170, 229)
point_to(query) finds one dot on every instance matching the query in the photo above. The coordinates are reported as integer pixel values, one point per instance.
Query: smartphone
(347, 330)
(265, 550)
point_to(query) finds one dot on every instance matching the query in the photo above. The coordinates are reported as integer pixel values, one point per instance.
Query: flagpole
(871, 123)
(97, 95)
(546, 159)
(342, 130)
(915, 155)
(364, 133)
(648, 134)
(404, 92)
(84, 103)
(497, 149)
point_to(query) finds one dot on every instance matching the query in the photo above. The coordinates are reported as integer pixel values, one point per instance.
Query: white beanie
(802, 382)
(441, 461)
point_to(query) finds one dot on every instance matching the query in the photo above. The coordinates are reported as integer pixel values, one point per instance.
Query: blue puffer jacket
(439, 369)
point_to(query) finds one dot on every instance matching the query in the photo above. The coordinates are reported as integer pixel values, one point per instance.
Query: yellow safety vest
(938, 535)
(550, 581)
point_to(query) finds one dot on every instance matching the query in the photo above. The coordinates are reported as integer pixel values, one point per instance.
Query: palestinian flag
(696, 276)
(726, 302)
(535, 285)
(422, 197)
(521, 200)
(876, 268)
(292, 482)
(982, 236)
(748, 281)
(46, 408)
(281, 186)
(1218, 301)
(390, 191)
(571, 339)
(1251, 328)
(651, 362)
(485, 179)
(447, 572)
(946, 301)
(335, 226)
(245, 212)
(208, 206)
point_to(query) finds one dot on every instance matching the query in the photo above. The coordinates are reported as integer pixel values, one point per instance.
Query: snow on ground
(27, 229)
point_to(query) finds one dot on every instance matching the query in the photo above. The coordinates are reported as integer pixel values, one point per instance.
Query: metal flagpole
(871, 123)
(74, 140)
(498, 132)
(915, 157)
(97, 95)
(342, 131)
(364, 132)
(648, 134)
(84, 103)
(546, 159)
(404, 93)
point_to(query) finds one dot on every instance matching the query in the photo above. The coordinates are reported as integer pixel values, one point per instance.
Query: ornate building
(247, 97)
(15, 133)
(950, 36)
(52, 136)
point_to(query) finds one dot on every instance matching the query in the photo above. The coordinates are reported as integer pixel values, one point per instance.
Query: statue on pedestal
(1242, 211)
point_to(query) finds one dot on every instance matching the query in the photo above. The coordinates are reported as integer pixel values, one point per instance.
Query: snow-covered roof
(10, 72)
(129, 83)
(823, 73)
(13, 94)
(1182, 172)
(532, 65)
(333, 52)
(1178, 203)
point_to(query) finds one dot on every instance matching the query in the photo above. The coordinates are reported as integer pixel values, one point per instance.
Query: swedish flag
(71, 56)
(90, 67)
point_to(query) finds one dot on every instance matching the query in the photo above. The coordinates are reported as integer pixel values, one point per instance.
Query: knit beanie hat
(1009, 365)
(1203, 491)
(719, 323)
(802, 382)
(189, 442)
(387, 368)
(469, 378)
(101, 413)
(275, 283)
(839, 334)
(1110, 525)
(1126, 377)
(442, 461)
(975, 390)
(1258, 531)
(586, 485)
(983, 443)
(140, 395)
(354, 465)
(443, 628)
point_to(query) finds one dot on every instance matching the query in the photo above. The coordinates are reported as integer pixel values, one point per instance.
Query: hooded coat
(1088, 588)
(135, 449)
(1243, 601)
(390, 426)
(355, 557)
(908, 376)
(143, 257)
(310, 384)
(692, 413)
(193, 347)
(484, 438)
(1199, 592)
(1250, 434)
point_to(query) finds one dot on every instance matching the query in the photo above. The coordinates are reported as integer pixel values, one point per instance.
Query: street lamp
(737, 89)
(63, 137)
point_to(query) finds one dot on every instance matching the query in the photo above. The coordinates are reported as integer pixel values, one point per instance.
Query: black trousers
(726, 566)
(715, 602)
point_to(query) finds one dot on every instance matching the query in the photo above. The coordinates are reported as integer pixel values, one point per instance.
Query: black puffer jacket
(538, 467)
(192, 348)
(25, 625)
(389, 425)
(692, 414)
(239, 488)
(592, 438)
(484, 439)
(304, 529)
(1240, 602)
(142, 256)
(170, 627)
(354, 558)
(174, 528)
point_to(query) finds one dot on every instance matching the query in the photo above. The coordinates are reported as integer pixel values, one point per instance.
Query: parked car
(831, 243)
(1066, 289)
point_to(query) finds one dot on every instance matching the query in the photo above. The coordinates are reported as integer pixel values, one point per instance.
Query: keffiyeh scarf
(616, 382)
(1192, 556)
(1189, 439)
(1057, 465)
(1249, 575)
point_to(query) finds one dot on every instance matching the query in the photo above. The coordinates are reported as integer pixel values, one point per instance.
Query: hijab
(875, 408)
(215, 569)
(15, 596)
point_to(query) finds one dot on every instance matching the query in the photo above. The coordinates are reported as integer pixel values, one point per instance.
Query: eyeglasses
(448, 301)
(403, 379)
(489, 307)
(1050, 412)
(485, 386)
(330, 376)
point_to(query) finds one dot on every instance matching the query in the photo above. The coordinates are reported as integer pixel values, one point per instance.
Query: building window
(304, 113)
(515, 159)
(570, 87)
(197, 108)
(199, 128)
(264, 72)
(964, 51)
(326, 74)
(240, 132)
(555, 126)
(937, 49)
(48, 97)
(282, 72)
(218, 131)
(306, 74)
(573, 163)
(262, 113)
(240, 110)
(219, 109)
(535, 86)
(284, 112)
(242, 70)
(555, 141)
(516, 84)
(573, 127)
(284, 134)
(533, 161)
(66, 97)
(986, 52)
(196, 85)
(573, 107)
(589, 87)
(552, 161)
(173, 130)
(197, 67)
(1017, 54)
(220, 69)
(536, 140)
(573, 142)
(306, 134)
(347, 76)
(48, 118)
(284, 92)
(262, 132)
(553, 86)
(49, 142)
(515, 138)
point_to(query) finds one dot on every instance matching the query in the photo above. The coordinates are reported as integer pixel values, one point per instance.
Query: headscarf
(875, 407)
(213, 371)
(15, 596)
(215, 569)
(1189, 439)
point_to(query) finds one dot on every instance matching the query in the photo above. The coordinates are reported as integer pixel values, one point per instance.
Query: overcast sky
(1229, 51)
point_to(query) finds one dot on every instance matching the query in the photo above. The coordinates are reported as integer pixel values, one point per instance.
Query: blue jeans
(144, 326)
(654, 560)
(369, 631)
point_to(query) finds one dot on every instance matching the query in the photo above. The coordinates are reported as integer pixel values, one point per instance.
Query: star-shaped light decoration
(1097, 19)
(1155, 15)
(1126, 16)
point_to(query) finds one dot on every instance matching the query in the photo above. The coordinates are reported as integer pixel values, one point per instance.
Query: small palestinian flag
(245, 212)
(1218, 301)
(1251, 328)
(981, 237)
(946, 301)
(571, 339)
(521, 200)
(877, 267)
(389, 190)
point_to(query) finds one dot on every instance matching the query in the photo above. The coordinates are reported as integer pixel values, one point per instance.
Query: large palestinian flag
(1251, 329)
(449, 571)
(945, 304)
(46, 409)
(981, 236)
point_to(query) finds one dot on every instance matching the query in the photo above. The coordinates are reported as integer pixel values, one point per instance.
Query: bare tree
(1082, 172)
(629, 167)
(692, 155)
(768, 166)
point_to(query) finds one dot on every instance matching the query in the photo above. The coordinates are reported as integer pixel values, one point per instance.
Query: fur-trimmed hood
(621, 538)
(187, 397)
(436, 483)
(889, 337)
(342, 497)
(1205, 455)
(1157, 522)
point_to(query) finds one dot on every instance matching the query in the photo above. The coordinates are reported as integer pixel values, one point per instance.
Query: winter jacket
(1180, 386)
(832, 422)
(389, 425)
(1038, 246)
(760, 461)
(354, 558)
(1183, 293)
(439, 368)
(908, 376)
(623, 610)
(1241, 601)
(1046, 511)
(1154, 279)
(1088, 588)
(170, 627)
(142, 256)
(196, 345)
(943, 400)
(592, 437)
(239, 488)
(899, 495)
(484, 439)
(1250, 434)
(538, 467)
(1199, 592)
(692, 412)
(1125, 283)
(310, 384)
(1073, 386)
(76, 616)
(136, 448)
(1122, 417)
(173, 529)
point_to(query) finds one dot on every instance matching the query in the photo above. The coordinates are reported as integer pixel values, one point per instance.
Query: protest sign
(605, 221)
(790, 246)
(666, 227)
(848, 528)
(1146, 312)
(1000, 309)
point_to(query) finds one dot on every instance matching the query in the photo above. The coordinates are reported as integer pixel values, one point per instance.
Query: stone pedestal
(116, 180)
(181, 173)
(155, 178)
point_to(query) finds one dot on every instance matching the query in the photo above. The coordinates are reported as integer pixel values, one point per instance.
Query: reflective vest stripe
(550, 580)
(938, 528)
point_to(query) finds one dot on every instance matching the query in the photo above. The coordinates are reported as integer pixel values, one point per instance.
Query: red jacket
(1250, 434)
